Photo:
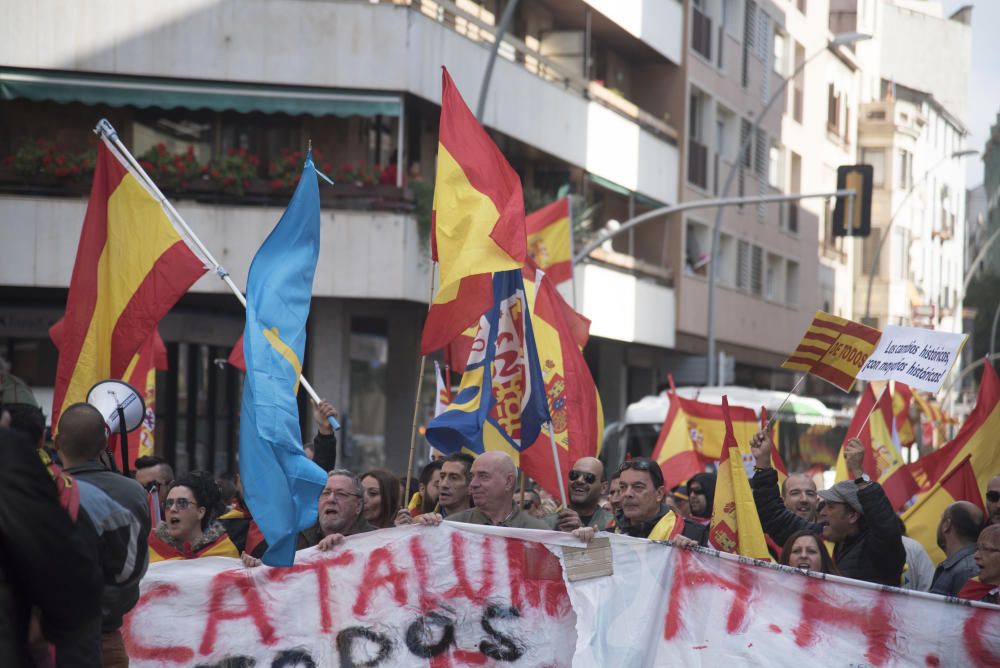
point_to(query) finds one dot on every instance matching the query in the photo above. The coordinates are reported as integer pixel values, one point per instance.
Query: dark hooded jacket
(707, 482)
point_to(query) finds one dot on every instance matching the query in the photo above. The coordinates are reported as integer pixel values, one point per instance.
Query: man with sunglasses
(644, 514)
(586, 485)
(854, 515)
(993, 501)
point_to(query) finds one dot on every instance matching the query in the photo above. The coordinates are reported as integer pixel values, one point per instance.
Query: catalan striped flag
(834, 349)
(478, 221)
(735, 526)
(550, 241)
(132, 265)
(574, 403)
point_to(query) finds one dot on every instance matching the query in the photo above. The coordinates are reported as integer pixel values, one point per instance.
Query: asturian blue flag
(501, 403)
(281, 484)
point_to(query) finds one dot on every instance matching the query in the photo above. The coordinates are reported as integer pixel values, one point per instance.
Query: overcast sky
(984, 80)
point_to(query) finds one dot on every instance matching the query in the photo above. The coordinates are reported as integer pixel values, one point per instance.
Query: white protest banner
(920, 358)
(460, 595)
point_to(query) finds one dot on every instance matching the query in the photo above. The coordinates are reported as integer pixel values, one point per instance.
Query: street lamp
(885, 233)
(841, 39)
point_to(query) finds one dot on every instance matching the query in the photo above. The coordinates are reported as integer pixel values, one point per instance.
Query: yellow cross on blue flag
(280, 484)
(501, 404)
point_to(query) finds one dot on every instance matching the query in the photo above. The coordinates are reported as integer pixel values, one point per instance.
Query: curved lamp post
(842, 39)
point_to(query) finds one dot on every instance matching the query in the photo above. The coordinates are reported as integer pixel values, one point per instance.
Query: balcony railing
(514, 50)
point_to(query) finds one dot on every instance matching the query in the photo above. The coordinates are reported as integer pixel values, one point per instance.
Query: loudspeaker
(108, 396)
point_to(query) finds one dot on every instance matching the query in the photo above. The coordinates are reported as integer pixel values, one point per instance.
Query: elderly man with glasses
(985, 587)
(341, 512)
(644, 513)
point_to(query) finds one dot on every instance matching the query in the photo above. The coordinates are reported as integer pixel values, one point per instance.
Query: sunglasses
(589, 478)
(992, 496)
(527, 504)
(182, 504)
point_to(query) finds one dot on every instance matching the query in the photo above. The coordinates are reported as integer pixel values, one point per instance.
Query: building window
(905, 169)
(833, 110)
(876, 158)
(697, 168)
(697, 249)
(774, 166)
(795, 185)
(773, 275)
(701, 30)
(743, 265)
(757, 271)
(799, 84)
(792, 284)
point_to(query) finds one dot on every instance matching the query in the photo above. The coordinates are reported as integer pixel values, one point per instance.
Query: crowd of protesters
(63, 509)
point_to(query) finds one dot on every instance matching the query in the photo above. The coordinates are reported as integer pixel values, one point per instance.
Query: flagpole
(106, 130)
(555, 462)
(774, 414)
(416, 399)
(877, 400)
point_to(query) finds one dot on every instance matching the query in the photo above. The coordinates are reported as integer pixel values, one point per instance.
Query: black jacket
(874, 555)
(45, 560)
(325, 451)
(693, 530)
(130, 495)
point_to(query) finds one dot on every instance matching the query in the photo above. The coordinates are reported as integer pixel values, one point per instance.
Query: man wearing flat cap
(854, 515)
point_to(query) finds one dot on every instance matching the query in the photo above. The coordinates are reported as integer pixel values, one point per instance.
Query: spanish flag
(693, 435)
(923, 517)
(132, 265)
(883, 461)
(933, 422)
(141, 374)
(550, 245)
(977, 439)
(478, 220)
(574, 403)
(902, 395)
(834, 349)
(735, 525)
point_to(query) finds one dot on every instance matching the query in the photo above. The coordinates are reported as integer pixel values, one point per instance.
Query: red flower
(61, 171)
(161, 149)
(277, 184)
(46, 159)
(229, 180)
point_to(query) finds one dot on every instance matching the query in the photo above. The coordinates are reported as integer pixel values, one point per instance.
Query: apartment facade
(576, 103)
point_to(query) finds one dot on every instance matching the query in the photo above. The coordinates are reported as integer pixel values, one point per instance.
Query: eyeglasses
(993, 496)
(647, 465)
(338, 495)
(588, 478)
(182, 503)
(700, 492)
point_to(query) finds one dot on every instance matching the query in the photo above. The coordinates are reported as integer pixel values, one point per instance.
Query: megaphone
(122, 408)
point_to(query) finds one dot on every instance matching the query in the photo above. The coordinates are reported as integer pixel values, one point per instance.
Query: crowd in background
(65, 511)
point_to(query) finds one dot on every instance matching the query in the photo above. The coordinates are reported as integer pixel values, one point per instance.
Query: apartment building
(911, 269)
(579, 101)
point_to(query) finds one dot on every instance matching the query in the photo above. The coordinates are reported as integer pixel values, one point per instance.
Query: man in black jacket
(854, 514)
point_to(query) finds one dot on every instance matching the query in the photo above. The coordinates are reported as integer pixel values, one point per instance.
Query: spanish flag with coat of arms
(132, 265)
(735, 526)
(574, 403)
(478, 221)
(550, 241)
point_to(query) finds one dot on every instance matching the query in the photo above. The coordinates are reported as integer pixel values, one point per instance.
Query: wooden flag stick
(555, 463)
(416, 403)
(877, 400)
(774, 415)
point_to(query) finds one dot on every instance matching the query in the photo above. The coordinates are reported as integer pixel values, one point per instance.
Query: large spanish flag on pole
(977, 438)
(693, 435)
(735, 525)
(883, 461)
(574, 404)
(923, 517)
(550, 241)
(132, 265)
(478, 221)
(834, 349)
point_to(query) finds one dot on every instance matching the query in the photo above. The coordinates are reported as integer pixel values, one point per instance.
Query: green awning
(640, 199)
(119, 91)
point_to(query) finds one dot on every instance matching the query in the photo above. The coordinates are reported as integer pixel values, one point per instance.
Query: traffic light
(856, 222)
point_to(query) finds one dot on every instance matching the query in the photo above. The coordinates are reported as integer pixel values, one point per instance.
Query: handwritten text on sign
(446, 597)
(920, 358)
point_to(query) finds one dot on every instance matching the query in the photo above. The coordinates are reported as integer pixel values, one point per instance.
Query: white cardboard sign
(920, 358)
